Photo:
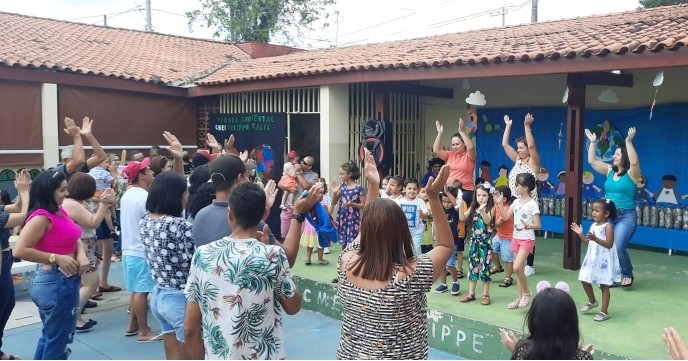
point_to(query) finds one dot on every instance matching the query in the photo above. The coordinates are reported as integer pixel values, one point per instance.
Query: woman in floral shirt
(166, 237)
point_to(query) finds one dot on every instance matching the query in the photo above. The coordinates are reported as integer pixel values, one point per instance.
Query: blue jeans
(624, 229)
(6, 292)
(57, 299)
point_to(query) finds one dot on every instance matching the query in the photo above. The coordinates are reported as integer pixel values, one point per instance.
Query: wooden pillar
(575, 142)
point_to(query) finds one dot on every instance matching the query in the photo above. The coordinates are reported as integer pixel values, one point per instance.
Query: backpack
(373, 138)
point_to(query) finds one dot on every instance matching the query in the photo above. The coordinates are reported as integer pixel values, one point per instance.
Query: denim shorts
(457, 248)
(137, 274)
(168, 306)
(503, 247)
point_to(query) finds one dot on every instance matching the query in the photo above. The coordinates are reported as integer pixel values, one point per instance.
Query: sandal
(486, 300)
(601, 316)
(459, 274)
(308, 262)
(514, 305)
(467, 298)
(627, 281)
(6, 356)
(109, 289)
(525, 300)
(496, 269)
(589, 306)
(507, 282)
(322, 262)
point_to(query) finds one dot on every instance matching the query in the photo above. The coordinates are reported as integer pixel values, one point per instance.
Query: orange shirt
(462, 168)
(506, 230)
(461, 225)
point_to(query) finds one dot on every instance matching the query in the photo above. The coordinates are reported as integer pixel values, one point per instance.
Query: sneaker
(589, 306)
(529, 271)
(441, 288)
(326, 250)
(455, 288)
(601, 316)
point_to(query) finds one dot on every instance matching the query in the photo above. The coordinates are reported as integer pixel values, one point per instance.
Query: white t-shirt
(524, 213)
(132, 209)
(410, 209)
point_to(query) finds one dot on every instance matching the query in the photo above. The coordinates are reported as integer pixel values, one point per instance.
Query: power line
(169, 12)
(101, 15)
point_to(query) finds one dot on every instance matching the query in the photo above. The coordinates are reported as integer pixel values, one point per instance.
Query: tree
(259, 20)
(657, 3)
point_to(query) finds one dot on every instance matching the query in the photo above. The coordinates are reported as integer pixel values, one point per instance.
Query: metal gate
(409, 133)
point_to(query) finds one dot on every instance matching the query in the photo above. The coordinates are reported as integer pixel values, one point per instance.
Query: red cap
(133, 168)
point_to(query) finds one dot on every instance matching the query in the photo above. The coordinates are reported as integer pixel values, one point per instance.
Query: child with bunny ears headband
(553, 332)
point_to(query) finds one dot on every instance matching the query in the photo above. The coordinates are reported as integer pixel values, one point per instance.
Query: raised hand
(264, 235)
(175, 146)
(22, 181)
(508, 339)
(305, 204)
(370, 168)
(229, 144)
(243, 156)
(270, 193)
(335, 187)
(462, 125)
(108, 196)
(498, 197)
(592, 137)
(71, 128)
(439, 126)
(528, 120)
(86, 126)
(631, 134)
(212, 141)
(507, 120)
(436, 184)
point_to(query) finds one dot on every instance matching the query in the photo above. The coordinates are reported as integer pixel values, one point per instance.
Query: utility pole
(503, 11)
(149, 22)
(104, 19)
(336, 30)
(534, 11)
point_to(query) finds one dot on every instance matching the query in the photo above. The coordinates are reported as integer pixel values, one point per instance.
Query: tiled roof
(261, 50)
(595, 36)
(32, 42)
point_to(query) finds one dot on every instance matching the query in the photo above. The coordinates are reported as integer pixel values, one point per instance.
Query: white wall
(334, 129)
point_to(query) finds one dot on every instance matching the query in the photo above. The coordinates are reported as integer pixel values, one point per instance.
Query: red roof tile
(32, 42)
(595, 36)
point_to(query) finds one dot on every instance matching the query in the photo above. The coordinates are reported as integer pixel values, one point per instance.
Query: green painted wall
(461, 336)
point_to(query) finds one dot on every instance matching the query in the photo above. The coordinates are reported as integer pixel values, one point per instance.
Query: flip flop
(131, 333)
(6, 356)
(156, 338)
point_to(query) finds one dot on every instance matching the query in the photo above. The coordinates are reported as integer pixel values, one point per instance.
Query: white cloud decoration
(608, 96)
(476, 98)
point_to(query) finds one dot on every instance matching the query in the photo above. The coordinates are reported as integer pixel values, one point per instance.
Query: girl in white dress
(601, 263)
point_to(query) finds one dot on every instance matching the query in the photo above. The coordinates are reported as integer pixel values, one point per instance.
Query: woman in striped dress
(382, 285)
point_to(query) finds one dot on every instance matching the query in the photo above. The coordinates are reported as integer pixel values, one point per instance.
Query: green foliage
(259, 20)
(657, 3)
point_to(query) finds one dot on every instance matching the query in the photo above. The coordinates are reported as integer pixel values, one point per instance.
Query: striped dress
(387, 323)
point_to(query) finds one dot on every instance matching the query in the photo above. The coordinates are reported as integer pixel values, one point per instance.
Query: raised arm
(534, 162)
(18, 210)
(176, 152)
(445, 242)
(78, 156)
(634, 170)
(596, 164)
(436, 146)
(98, 152)
(470, 147)
(508, 149)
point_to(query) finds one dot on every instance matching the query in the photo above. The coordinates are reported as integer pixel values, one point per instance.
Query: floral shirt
(238, 284)
(169, 247)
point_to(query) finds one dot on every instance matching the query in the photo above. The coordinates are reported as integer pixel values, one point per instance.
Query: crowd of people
(196, 249)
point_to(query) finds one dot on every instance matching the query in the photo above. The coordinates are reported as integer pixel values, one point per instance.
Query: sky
(351, 22)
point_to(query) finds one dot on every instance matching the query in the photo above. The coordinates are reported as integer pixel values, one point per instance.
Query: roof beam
(606, 78)
(94, 81)
(415, 89)
(628, 61)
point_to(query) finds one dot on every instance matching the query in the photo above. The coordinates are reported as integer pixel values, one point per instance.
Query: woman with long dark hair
(622, 177)
(553, 332)
(51, 239)
(167, 240)
(382, 284)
